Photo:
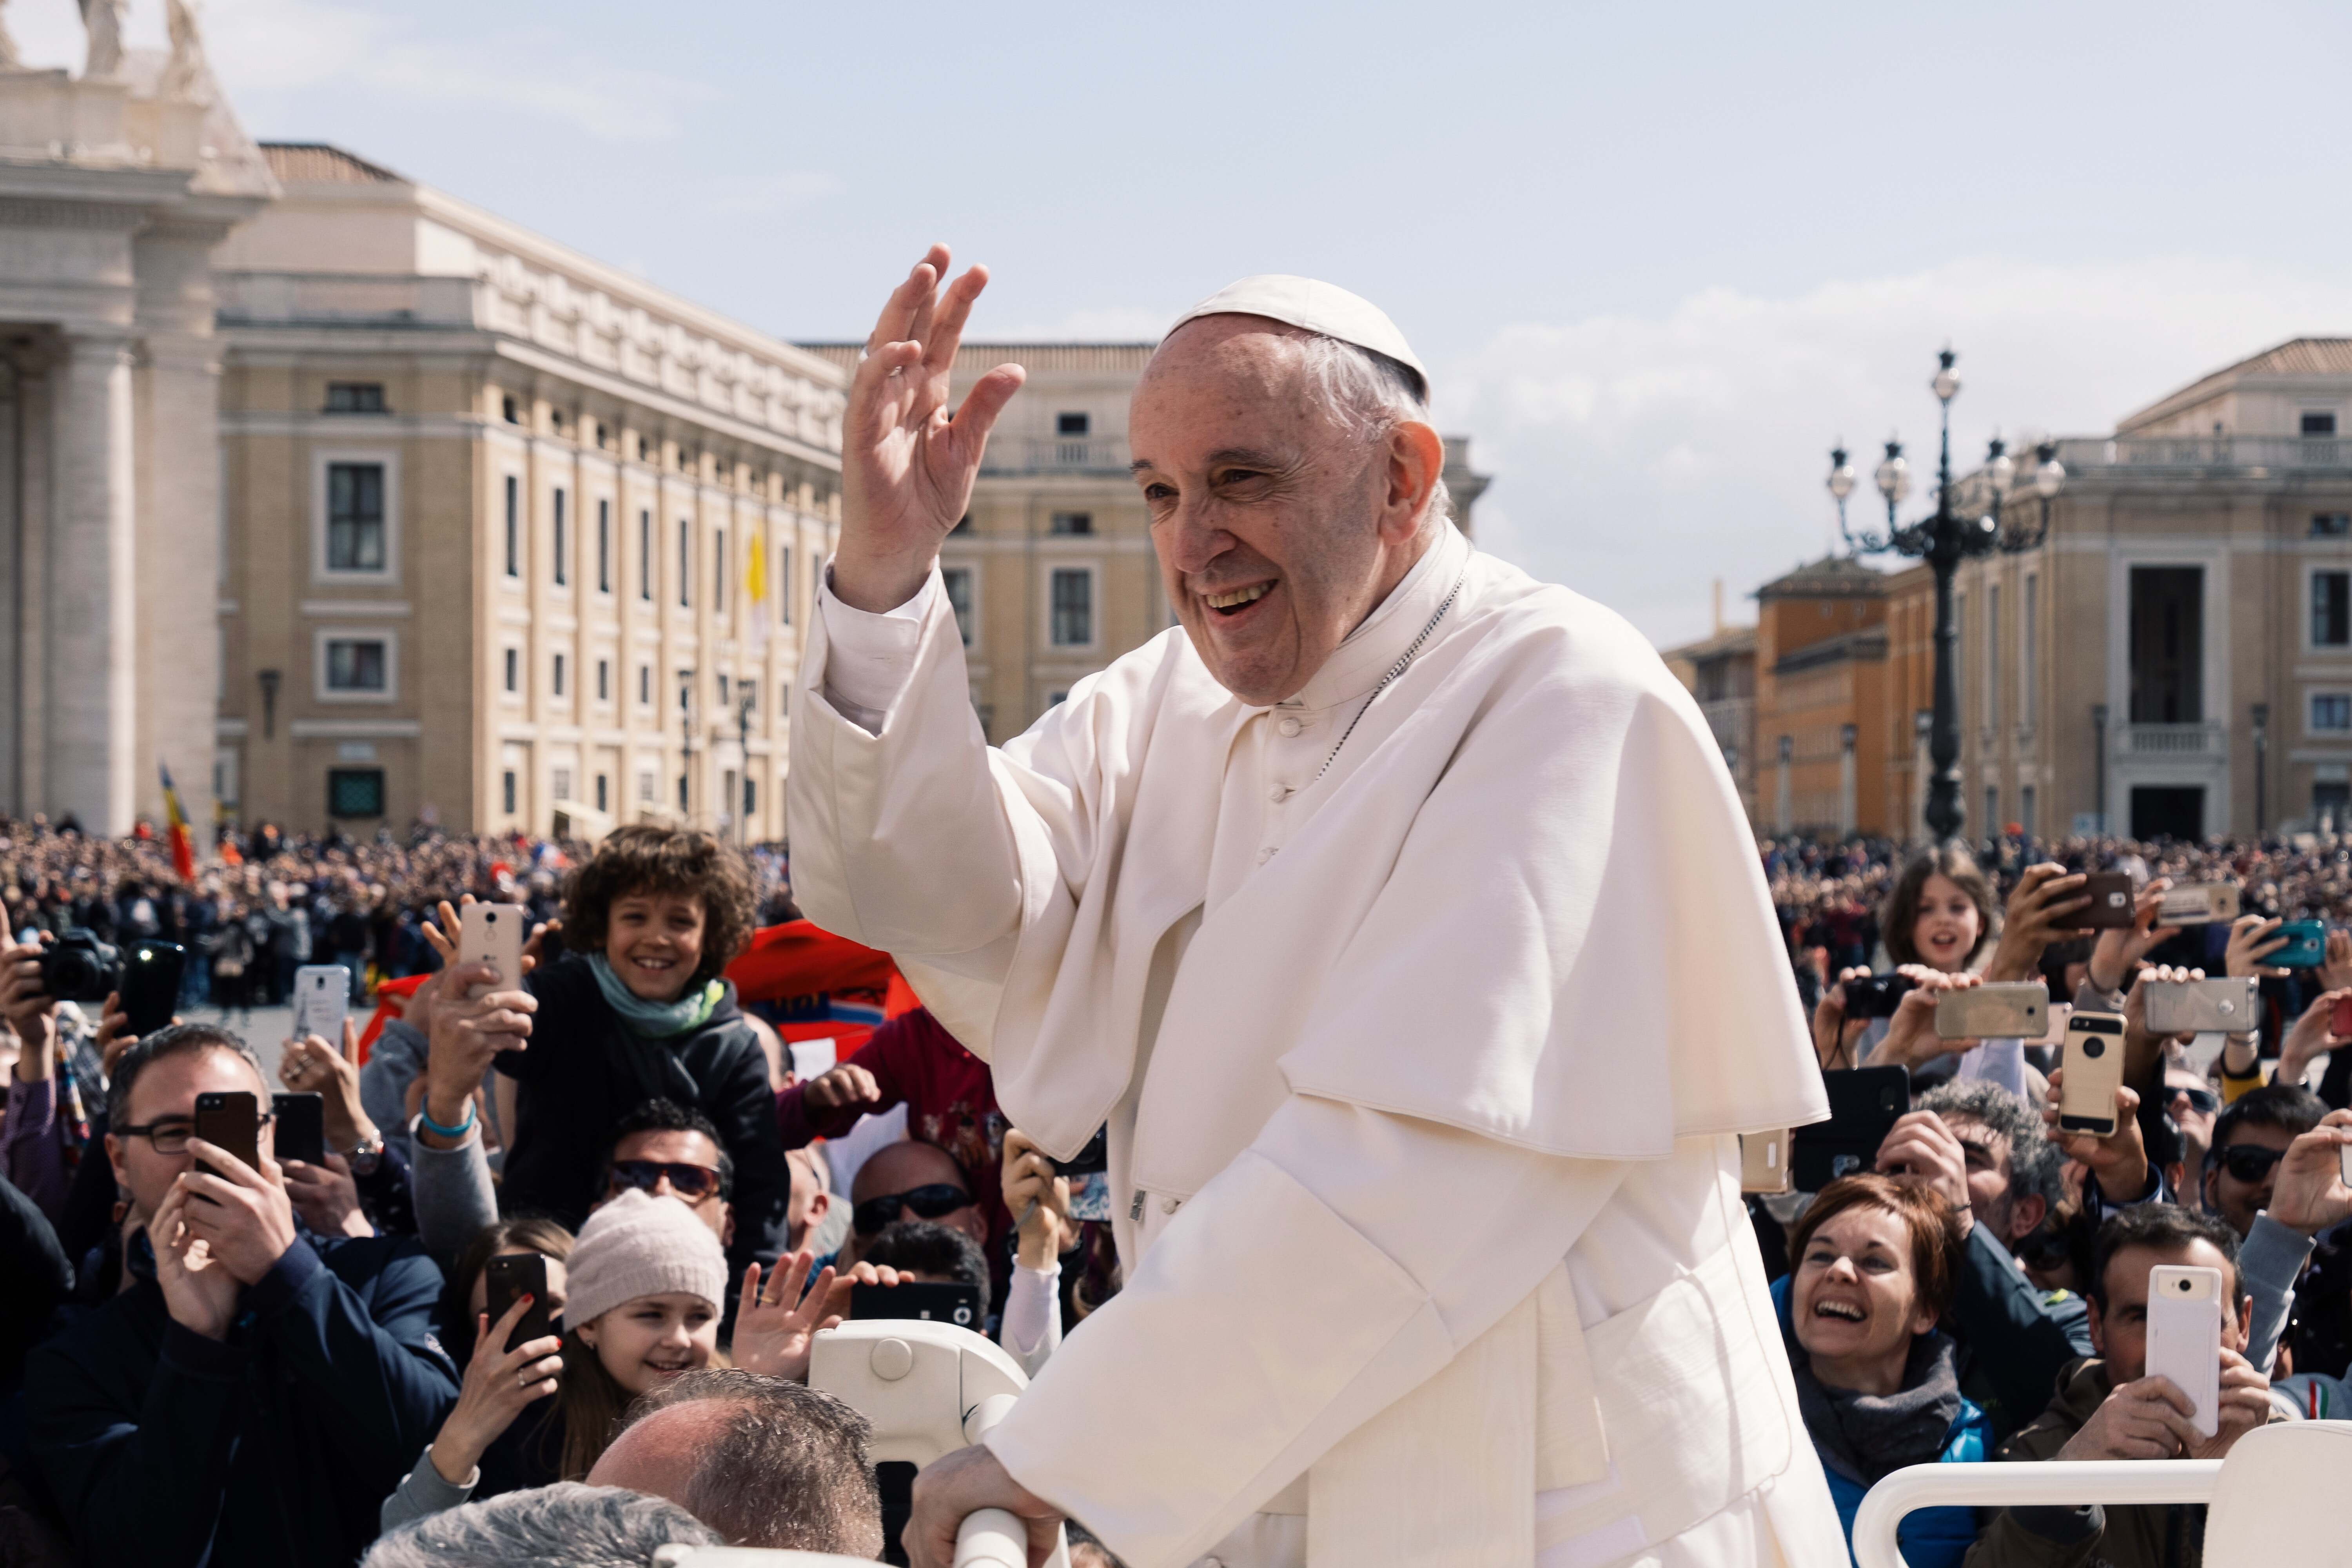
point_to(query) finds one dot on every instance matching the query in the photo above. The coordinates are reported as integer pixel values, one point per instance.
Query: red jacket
(950, 1098)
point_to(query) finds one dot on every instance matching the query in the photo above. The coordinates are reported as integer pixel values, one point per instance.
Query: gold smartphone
(2094, 1063)
(2199, 904)
(1764, 1162)
(2005, 1010)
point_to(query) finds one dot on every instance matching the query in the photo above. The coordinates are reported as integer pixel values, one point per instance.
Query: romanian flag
(183, 852)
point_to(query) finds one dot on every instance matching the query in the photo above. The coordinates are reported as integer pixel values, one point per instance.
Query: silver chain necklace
(1395, 670)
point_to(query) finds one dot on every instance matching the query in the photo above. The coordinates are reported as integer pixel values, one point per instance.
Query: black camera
(1875, 995)
(1086, 1162)
(78, 967)
(2093, 1047)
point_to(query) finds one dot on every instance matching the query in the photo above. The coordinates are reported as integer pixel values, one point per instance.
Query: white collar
(1365, 655)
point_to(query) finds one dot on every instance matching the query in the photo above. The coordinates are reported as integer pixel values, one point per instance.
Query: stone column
(178, 564)
(93, 594)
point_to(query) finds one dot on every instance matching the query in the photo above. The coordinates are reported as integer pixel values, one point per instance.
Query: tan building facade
(494, 519)
(1052, 573)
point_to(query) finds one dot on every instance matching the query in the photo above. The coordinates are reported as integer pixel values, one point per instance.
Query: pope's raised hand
(908, 458)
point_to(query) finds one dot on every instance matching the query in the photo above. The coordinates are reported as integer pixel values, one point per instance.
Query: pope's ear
(1416, 462)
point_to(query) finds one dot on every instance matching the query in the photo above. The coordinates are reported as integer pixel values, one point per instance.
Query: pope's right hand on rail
(960, 1484)
(907, 457)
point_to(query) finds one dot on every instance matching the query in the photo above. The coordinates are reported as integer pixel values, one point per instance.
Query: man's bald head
(1292, 481)
(661, 1454)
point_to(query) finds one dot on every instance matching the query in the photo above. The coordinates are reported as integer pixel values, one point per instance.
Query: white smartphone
(494, 934)
(2184, 1337)
(323, 1000)
(2056, 1036)
(2094, 1062)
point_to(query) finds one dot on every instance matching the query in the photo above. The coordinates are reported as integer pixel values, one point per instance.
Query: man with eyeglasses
(253, 1391)
(910, 1180)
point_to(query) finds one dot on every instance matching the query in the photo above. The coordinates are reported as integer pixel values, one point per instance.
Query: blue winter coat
(1930, 1537)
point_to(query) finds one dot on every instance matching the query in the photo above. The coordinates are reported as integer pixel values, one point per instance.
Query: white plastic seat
(2276, 1501)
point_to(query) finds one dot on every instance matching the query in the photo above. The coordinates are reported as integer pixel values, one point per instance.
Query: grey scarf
(1866, 1437)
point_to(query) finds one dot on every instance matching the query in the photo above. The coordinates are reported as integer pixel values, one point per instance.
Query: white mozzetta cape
(1522, 939)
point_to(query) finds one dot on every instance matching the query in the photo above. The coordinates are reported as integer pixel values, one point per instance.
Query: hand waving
(908, 460)
(775, 1330)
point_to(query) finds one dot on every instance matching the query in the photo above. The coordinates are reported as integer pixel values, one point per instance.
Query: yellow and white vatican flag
(755, 587)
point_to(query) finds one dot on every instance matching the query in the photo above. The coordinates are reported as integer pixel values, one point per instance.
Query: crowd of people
(216, 1356)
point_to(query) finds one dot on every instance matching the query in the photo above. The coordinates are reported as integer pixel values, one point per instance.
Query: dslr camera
(78, 967)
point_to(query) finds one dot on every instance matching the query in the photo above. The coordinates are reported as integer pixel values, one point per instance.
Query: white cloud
(1638, 457)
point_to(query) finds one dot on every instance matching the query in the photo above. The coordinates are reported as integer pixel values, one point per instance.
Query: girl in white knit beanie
(646, 1280)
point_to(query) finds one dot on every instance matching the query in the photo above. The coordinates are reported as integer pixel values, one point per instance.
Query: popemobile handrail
(2051, 1485)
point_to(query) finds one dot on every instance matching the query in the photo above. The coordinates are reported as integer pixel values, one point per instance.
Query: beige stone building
(494, 517)
(1052, 573)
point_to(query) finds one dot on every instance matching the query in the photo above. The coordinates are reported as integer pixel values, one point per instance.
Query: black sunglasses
(2250, 1162)
(2204, 1101)
(693, 1182)
(929, 1202)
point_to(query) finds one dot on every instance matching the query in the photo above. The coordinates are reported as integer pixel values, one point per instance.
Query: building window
(1992, 652)
(1072, 423)
(1993, 810)
(957, 582)
(719, 605)
(514, 670)
(513, 414)
(2318, 422)
(507, 792)
(604, 544)
(354, 792)
(514, 526)
(785, 585)
(1074, 606)
(604, 681)
(2331, 524)
(750, 797)
(2028, 697)
(1072, 522)
(355, 397)
(646, 556)
(2331, 609)
(2026, 811)
(681, 793)
(556, 683)
(722, 692)
(645, 686)
(2331, 712)
(1056, 699)
(600, 435)
(560, 783)
(355, 517)
(685, 563)
(647, 789)
(356, 664)
(563, 545)
(601, 803)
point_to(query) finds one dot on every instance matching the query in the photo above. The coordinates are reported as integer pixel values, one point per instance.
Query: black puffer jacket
(584, 1070)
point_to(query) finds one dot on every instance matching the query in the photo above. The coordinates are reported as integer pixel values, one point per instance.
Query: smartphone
(151, 984)
(2094, 1063)
(2339, 1023)
(2055, 1035)
(2199, 904)
(509, 1277)
(1875, 995)
(494, 934)
(1764, 1162)
(230, 1121)
(2184, 1336)
(1865, 1105)
(2111, 900)
(323, 1000)
(2306, 945)
(2017, 1009)
(2203, 1006)
(300, 1133)
(935, 1302)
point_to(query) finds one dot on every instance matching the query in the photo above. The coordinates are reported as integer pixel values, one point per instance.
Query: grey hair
(789, 1471)
(177, 1040)
(1368, 394)
(567, 1525)
(2034, 1159)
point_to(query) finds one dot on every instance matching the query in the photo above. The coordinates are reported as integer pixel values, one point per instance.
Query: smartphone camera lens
(2184, 1287)
(2094, 1047)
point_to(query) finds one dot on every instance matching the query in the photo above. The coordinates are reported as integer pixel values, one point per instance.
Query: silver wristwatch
(365, 1156)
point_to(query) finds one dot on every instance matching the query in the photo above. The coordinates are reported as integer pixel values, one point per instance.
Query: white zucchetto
(1315, 307)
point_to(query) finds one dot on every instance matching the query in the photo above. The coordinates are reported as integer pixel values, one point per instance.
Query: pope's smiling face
(1277, 526)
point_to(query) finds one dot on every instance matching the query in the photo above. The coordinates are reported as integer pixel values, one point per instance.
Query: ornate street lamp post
(1944, 540)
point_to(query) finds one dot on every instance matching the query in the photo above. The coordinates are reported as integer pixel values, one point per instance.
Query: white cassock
(1422, 1064)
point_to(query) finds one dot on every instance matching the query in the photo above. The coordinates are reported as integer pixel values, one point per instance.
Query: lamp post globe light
(1943, 541)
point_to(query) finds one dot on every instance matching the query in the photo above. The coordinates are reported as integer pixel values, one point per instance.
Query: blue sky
(1658, 257)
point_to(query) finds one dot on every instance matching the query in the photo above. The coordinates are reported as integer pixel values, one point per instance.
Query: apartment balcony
(2205, 742)
(343, 300)
(2186, 454)
(1093, 454)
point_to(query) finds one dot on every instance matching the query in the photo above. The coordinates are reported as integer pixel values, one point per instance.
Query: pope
(1396, 913)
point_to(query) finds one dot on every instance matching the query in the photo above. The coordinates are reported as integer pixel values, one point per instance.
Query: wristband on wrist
(425, 1120)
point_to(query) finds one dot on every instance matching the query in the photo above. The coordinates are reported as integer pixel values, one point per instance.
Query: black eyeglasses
(2250, 1162)
(2203, 1102)
(693, 1182)
(929, 1202)
(171, 1137)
